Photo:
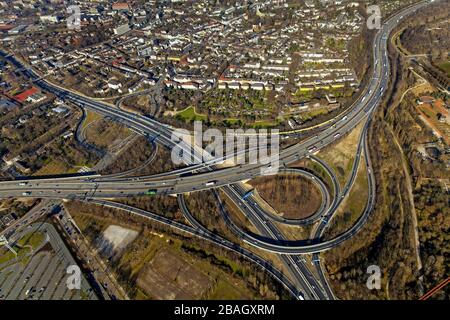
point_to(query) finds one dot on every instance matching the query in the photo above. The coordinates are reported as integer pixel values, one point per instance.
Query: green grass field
(231, 121)
(22, 247)
(53, 167)
(226, 290)
(90, 117)
(445, 67)
(263, 124)
(313, 113)
(189, 114)
(33, 239)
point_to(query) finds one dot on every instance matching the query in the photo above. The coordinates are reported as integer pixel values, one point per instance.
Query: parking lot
(42, 274)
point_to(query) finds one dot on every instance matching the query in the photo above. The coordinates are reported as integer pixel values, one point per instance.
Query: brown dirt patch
(292, 196)
(169, 277)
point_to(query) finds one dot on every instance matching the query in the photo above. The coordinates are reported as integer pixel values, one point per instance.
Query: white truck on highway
(210, 183)
(312, 149)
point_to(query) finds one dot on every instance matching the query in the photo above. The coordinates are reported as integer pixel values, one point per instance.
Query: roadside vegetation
(352, 207)
(340, 156)
(445, 67)
(405, 234)
(204, 208)
(133, 157)
(16, 208)
(104, 133)
(91, 117)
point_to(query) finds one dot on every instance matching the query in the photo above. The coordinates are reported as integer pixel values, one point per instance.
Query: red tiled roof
(21, 97)
(426, 99)
(120, 6)
(118, 61)
(6, 27)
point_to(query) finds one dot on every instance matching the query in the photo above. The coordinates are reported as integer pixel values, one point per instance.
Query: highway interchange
(197, 177)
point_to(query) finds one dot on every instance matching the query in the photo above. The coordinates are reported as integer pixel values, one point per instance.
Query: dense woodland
(204, 208)
(163, 205)
(135, 156)
(429, 33)
(388, 239)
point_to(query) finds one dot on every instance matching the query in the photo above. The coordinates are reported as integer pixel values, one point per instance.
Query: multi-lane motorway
(99, 187)
(206, 176)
